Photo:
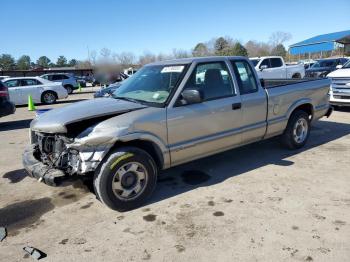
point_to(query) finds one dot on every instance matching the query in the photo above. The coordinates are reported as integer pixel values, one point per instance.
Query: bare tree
(256, 48)
(279, 37)
(125, 58)
(180, 53)
(92, 58)
(147, 58)
(105, 54)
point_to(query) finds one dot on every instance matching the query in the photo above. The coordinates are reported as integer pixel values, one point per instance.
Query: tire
(296, 76)
(121, 186)
(69, 89)
(297, 131)
(49, 97)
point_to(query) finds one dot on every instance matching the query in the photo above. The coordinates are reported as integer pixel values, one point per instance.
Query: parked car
(6, 106)
(3, 77)
(307, 63)
(68, 81)
(323, 67)
(107, 91)
(81, 80)
(41, 90)
(162, 117)
(340, 89)
(273, 67)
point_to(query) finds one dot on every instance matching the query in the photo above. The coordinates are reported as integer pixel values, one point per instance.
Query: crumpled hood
(55, 120)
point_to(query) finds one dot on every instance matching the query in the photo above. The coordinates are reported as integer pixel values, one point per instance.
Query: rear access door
(254, 101)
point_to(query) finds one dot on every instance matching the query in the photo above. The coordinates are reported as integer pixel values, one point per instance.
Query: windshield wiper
(128, 99)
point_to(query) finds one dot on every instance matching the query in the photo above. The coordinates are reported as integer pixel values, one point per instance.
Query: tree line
(221, 46)
(8, 62)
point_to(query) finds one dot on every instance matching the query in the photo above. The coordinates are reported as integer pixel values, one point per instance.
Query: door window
(56, 77)
(212, 79)
(12, 83)
(265, 62)
(276, 62)
(29, 82)
(245, 77)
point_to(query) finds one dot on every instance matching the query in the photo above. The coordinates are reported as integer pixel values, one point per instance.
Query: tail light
(3, 91)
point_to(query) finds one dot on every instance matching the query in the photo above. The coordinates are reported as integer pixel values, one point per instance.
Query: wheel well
(307, 108)
(68, 85)
(151, 148)
(296, 75)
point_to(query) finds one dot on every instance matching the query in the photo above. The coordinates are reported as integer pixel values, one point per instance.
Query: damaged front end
(52, 157)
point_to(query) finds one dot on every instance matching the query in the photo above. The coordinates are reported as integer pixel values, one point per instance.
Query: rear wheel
(49, 97)
(69, 89)
(126, 179)
(298, 130)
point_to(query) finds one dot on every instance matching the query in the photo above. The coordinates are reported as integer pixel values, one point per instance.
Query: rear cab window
(245, 77)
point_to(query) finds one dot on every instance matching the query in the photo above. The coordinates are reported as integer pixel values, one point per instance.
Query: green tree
(279, 50)
(43, 61)
(73, 62)
(239, 49)
(220, 45)
(24, 62)
(200, 50)
(61, 61)
(7, 62)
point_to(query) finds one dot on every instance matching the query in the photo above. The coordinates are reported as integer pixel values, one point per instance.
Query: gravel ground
(256, 203)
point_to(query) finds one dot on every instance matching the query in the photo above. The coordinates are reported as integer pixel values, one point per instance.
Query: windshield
(346, 65)
(324, 63)
(255, 61)
(151, 84)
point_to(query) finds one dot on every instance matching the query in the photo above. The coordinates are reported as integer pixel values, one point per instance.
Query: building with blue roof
(321, 43)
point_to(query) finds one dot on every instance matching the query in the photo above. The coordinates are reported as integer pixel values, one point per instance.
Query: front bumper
(40, 171)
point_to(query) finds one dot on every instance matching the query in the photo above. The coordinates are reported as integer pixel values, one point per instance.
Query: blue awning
(319, 43)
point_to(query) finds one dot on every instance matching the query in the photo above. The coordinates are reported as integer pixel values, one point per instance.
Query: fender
(298, 103)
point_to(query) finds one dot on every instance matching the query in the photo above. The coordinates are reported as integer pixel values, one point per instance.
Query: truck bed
(272, 83)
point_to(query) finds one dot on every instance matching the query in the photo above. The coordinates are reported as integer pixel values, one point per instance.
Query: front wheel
(126, 179)
(298, 130)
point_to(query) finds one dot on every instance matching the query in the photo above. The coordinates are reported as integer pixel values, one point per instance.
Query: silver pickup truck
(166, 114)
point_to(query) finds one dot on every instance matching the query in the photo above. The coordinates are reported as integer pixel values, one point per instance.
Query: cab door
(201, 129)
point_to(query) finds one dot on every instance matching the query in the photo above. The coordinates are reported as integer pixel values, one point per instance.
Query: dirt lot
(257, 203)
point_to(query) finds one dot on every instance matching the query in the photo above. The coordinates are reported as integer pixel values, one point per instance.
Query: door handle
(236, 106)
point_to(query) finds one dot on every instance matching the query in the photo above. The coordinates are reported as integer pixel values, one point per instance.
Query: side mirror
(263, 67)
(192, 96)
(338, 66)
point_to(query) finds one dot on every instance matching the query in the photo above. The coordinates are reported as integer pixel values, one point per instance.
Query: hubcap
(129, 181)
(49, 98)
(300, 130)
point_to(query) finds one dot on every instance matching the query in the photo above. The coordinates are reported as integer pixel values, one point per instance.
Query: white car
(41, 90)
(274, 67)
(340, 88)
(3, 77)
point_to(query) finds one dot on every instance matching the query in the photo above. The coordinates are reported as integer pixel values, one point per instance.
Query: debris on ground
(3, 233)
(34, 252)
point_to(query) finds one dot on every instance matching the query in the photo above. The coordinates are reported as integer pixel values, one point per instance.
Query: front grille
(341, 97)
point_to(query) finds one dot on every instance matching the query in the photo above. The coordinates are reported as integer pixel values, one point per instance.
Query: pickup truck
(165, 115)
(274, 67)
(340, 89)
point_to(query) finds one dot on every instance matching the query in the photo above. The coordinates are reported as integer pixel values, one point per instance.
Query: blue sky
(64, 27)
